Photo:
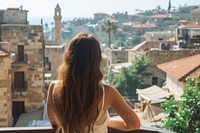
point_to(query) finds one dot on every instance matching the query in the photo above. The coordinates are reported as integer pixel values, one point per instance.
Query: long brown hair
(79, 92)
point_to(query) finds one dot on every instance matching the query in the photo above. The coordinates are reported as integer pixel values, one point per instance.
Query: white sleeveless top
(101, 123)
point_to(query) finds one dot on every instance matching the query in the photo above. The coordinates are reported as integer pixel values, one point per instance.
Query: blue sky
(86, 8)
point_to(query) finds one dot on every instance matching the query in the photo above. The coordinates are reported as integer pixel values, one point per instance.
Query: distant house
(177, 71)
(163, 21)
(195, 15)
(149, 45)
(161, 17)
(151, 36)
(100, 15)
(188, 36)
(136, 17)
(144, 27)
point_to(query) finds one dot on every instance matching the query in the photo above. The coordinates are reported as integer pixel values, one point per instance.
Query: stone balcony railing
(50, 130)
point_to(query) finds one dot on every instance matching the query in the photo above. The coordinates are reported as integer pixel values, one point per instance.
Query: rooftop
(181, 68)
(143, 26)
(157, 16)
(189, 25)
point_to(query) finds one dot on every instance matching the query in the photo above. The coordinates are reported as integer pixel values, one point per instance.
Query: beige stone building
(26, 73)
(177, 71)
(153, 36)
(6, 58)
(152, 50)
(115, 56)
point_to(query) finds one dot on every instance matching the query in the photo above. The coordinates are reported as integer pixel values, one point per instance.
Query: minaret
(169, 6)
(57, 29)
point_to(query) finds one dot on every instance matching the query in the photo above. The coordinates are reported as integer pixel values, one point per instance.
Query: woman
(79, 102)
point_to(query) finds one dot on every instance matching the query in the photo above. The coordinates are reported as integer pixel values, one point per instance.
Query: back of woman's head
(79, 92)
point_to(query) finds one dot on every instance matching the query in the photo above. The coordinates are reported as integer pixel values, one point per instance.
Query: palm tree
(109, 27)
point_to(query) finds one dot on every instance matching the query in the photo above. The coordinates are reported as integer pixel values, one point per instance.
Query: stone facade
(115, 56)
(54, 53)
(152, 36)
(5, 86)
(13, 16)
(27, 69)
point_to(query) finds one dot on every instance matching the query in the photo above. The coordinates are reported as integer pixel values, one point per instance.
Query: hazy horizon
(85, 8)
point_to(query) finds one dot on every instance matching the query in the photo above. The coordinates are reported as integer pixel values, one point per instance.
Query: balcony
(50, 130)
(19, 90)
(18, 61)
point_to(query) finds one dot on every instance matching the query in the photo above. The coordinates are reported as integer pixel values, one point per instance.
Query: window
(20, 53)
(46, 60)
(154, 81)
(19, 83)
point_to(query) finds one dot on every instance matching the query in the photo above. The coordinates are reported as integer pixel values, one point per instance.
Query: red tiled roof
(181, 68)
(148, 25)
(189, 25)
(196, 10)
(161, 16)
(3, 52)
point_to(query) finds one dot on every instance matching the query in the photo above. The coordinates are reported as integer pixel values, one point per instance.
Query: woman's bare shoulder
(52, 85)
(109, 89)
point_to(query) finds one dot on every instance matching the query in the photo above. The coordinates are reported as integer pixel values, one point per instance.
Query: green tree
(130, 78)
(109, 27)
(135, 39)
(184, 116)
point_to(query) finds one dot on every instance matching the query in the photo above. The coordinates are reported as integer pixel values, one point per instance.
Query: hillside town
(30, 56)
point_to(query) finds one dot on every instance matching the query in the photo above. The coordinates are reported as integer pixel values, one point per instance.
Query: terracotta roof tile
(148, 25)
(161, 16)
(3, 52)
(181, 68)
(189, 25)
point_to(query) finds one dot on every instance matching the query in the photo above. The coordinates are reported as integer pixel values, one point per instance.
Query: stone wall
(55, 54)
(152, 36)
(115, 56)
(31, 37)
(13, 16)
(5, 90)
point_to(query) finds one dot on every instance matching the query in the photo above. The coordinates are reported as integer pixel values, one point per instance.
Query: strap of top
(103, 100)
